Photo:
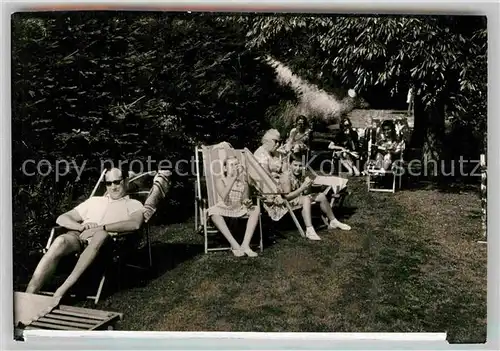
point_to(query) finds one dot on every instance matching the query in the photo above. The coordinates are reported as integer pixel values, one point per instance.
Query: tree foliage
(442, 57)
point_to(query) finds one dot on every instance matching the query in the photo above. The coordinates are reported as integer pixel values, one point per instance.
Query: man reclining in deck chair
(88, 225)
(299, 191)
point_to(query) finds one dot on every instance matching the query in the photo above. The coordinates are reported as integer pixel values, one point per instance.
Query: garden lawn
(410, 264)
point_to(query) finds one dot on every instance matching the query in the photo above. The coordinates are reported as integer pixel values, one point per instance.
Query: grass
(410, 264)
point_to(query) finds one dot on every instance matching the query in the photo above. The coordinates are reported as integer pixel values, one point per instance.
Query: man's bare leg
(86, 258)
(253, 219)
(221, 225)
(63, 245)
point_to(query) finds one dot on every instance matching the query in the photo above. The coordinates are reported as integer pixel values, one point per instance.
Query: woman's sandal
(249, 252)
(238, 252)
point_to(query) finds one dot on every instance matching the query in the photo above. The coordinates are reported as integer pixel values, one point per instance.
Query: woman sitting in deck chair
(298, 139)
(232, 187)
(345, 147)
(388, 147)
(298, 189)
(269, 156)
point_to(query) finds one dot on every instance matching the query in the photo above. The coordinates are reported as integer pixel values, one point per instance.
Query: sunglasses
(115, 182)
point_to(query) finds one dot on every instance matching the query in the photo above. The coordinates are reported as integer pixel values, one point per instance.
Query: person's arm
(262, 160)
(222, 190)
(291, 139)
(307, 135)
(71, 220)
(287, 188)
(400, 146)
(247, 201)
(130, 225)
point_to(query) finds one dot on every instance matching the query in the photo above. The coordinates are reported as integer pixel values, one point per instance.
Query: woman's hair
(299, 118)
(296, 158)
(270, 134)
(345, 123)
(224, 161)
(389, 124)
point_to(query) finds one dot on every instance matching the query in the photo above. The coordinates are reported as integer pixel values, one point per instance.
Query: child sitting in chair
(299, 190)
(233, 190)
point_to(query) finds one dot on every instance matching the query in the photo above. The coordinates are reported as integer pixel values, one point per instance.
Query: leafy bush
(123, 86)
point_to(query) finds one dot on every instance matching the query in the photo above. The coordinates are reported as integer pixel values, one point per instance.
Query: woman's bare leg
(221, 225)
(252, 222)
(387, 161)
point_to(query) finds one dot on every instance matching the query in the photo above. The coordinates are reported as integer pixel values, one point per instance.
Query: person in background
(387, 146)
(345, 146)
(298, 139)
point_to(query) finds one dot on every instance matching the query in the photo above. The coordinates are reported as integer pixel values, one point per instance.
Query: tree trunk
(428, 135)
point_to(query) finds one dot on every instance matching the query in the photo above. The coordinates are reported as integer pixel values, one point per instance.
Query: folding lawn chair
(148, 188)
(206, 195)
(376, 176)
(267, 187)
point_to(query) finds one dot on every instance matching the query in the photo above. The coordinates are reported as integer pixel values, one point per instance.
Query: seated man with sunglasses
(88, 225)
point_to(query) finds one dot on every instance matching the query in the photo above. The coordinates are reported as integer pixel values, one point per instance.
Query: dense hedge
(124, 86)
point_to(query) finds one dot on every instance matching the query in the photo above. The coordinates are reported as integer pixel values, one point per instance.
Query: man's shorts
(84, 242)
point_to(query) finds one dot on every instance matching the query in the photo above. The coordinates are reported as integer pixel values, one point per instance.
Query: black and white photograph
(249, 172)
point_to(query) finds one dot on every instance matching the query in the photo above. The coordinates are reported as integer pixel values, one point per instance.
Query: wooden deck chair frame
(374, 130)
(268, 186)
(202, 203)
(56, 231)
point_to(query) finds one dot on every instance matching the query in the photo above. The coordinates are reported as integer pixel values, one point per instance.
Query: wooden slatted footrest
(64, 317)
(76, 318)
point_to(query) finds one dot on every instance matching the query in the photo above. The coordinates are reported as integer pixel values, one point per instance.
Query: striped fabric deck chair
(268, 189)
(149, 188)
(206, 195)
